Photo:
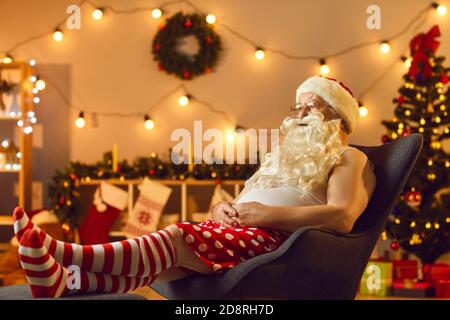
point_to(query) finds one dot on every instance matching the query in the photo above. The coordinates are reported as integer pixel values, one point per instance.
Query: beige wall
(112, 67)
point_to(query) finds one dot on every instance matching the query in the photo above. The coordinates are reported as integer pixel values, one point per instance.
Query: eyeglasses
(312, 106)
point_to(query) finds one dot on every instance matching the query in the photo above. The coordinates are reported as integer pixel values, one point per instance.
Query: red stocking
(109, 201)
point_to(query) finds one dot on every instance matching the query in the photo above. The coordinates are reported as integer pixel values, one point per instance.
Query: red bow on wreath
(421, 47)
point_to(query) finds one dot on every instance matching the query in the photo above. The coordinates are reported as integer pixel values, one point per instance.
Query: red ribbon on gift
(421, 47)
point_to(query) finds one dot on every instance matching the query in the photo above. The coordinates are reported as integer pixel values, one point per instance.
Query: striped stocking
(138, 257)
(47, 278)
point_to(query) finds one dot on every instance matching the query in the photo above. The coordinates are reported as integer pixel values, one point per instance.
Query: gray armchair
(313, 263)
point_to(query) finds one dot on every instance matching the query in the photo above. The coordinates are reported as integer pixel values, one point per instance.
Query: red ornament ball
(151, 171)
(188, 23)
(160, 67)
(400, 100)
(395, 245)
(385, 138)
(444, 78)
(413, 198)
(186, 74)
(209, 40)
(157, 46)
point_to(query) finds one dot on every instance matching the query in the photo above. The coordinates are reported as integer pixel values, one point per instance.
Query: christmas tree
(420, 222)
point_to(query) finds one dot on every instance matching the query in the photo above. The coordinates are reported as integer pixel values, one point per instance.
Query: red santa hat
(334, 93)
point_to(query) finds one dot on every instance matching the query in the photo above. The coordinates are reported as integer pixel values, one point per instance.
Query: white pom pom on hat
(334, 93)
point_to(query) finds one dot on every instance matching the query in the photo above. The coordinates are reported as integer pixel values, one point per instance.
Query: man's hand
(251, 214)
(222, 214)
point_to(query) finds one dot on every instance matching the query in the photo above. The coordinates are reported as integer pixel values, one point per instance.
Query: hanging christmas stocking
(147, 209)
(109, 201)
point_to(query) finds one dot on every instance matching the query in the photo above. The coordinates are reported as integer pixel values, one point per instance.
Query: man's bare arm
(346, 200)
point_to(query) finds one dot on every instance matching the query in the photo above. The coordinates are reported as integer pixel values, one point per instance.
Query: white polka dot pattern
(223, 248)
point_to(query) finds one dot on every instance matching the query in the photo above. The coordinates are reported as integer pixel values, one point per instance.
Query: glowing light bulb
(19, 155)
(211, 19)
(428, 225)
(28, 129)
(32, 62)
(183, 101)
(7, 59)
(440, 8)
(80, 122)
(363, 111)
(33, 120)
(324, 68)
(20, 123)
(40, 85)
(408, 62)
(413, 224)
(260, 54)
(58, 35)
(5, 143)
(156, 13)
(35, 90)
(148, 123)
(385, 47)
(407, 112)
(230, 135)
(33, 79)
(36, 100)
(97, 14)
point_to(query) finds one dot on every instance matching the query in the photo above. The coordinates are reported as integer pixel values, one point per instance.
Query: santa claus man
(312, 178)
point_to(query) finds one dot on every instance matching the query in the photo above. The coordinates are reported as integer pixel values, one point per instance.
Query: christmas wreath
(164, 47)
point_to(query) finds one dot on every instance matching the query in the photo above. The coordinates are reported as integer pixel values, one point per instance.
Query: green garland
(184, 66)
(64, 188)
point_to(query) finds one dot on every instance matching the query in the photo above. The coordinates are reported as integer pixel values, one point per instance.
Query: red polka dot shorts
(223, 248)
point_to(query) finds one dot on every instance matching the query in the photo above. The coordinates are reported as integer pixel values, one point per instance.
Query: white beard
(304, 157)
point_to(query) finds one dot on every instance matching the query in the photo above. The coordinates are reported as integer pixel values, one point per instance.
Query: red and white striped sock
(138, 257)
(48, 278)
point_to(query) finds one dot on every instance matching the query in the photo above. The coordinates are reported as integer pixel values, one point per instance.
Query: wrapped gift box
(442, 288)
(435, 272)
(404, 269)
(412, 289)
(376, 279)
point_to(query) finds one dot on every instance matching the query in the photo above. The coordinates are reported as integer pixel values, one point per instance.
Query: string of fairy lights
(261, 52)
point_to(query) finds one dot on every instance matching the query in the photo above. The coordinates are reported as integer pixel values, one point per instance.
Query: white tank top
(289, 195)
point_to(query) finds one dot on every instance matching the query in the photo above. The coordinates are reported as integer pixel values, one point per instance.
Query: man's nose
(303, 112)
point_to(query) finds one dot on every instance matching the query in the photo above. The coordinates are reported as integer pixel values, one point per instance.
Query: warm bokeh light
(97, 14)
(156, 13)
(58, 35)
(211, 19)
(80, 122)
(385, 47)
(259, 54)
(363, 111)
(183, 101)
(148, 123)
(40, 85)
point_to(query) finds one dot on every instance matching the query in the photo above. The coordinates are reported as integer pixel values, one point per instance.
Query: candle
(114, 157)
(191, 158)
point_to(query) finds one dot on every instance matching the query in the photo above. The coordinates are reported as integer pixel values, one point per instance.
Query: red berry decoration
(209, 40)
(385, 138)
(157, 47)
(444, 78)
(395, 245)
(401, 100)
(186, 75)
(151, 172)
(188, 23)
